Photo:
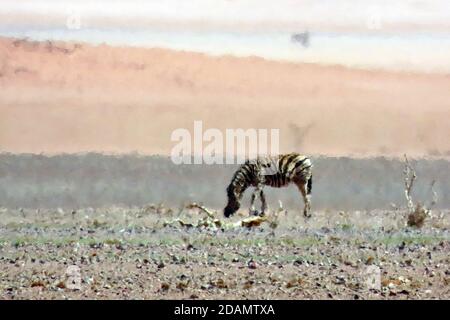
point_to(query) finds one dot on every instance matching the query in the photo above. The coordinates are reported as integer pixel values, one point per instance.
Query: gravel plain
(144, 253)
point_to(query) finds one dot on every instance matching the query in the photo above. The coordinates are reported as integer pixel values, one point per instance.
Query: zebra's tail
(309, 186)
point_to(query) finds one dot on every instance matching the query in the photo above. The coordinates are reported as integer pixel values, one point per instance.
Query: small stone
(252, 264)
(165, 286)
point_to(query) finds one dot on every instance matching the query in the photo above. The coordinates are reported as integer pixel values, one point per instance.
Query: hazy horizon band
(397, 52)
(364, 34)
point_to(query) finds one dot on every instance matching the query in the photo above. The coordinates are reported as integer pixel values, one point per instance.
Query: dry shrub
(418, 216)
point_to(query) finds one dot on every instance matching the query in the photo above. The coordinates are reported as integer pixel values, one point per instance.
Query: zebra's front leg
(263, 203)
(253, 211)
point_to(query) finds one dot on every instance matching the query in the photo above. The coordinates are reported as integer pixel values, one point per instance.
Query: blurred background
(90, 92)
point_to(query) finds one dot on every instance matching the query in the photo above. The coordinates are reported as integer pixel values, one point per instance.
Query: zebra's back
(279, 171)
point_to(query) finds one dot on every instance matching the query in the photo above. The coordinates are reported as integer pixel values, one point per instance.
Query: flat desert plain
(145, 253)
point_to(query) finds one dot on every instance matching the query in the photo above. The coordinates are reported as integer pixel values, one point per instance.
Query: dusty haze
(69, 98)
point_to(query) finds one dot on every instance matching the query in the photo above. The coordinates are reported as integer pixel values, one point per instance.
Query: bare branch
(417, 213)
(410, 177)
(204, 209)
(434, 194)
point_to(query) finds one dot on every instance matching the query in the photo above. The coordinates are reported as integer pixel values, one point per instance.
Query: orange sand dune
(65, 97)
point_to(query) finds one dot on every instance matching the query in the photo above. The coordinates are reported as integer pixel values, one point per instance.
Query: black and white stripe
(274, 171)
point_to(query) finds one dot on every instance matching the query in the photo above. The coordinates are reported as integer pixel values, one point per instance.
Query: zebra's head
(231, 208)
(233, 201)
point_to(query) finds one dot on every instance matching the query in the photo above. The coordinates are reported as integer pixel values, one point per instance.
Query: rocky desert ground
(157, 252)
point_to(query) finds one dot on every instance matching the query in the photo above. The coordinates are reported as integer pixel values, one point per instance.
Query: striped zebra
(274, 171)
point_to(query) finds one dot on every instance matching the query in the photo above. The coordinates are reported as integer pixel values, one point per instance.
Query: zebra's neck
(240, 182)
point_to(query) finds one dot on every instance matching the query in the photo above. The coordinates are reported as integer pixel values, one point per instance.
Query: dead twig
(434, 199)
(210, 222)
(202, 208)
(410, 177)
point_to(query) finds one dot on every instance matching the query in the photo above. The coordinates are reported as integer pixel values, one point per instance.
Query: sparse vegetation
(324, 257)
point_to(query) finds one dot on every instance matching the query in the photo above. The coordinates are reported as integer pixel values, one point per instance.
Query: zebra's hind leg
(303, 187)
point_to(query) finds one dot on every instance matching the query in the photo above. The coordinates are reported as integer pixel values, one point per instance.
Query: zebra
(274, 171)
